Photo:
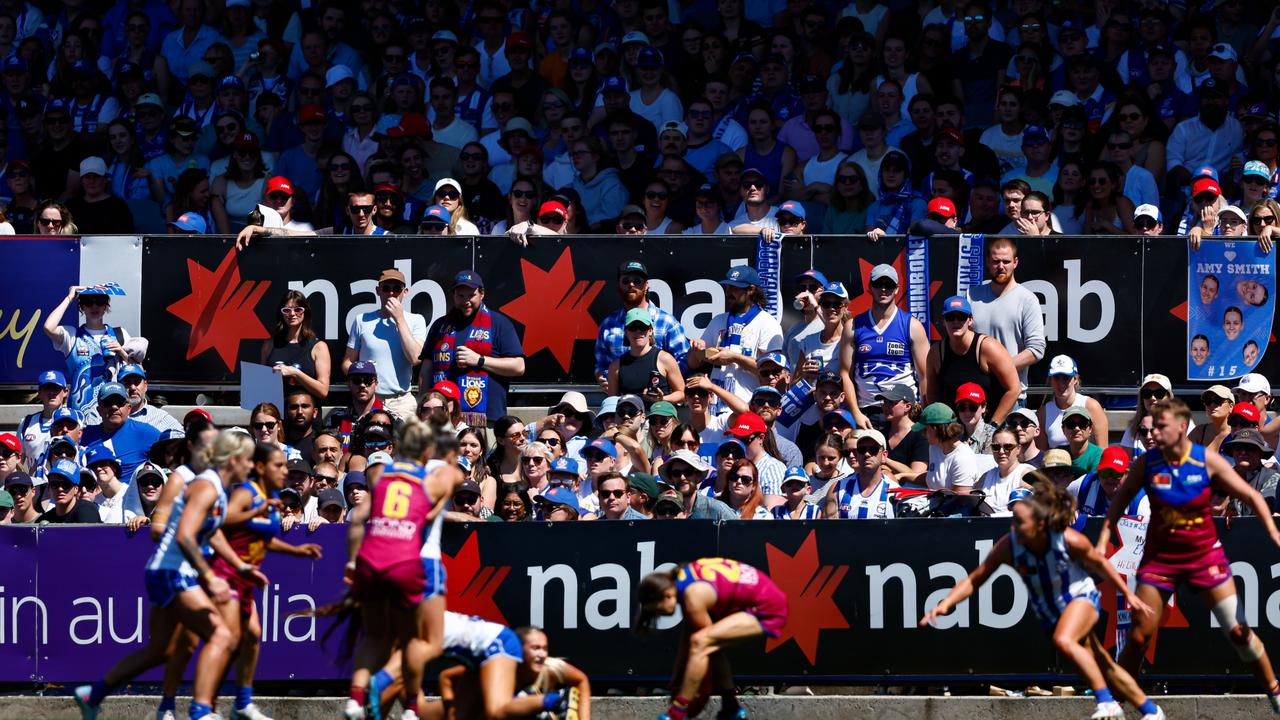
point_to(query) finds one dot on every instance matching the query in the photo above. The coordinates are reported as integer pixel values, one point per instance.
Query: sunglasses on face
(340, 167)
(755, 184)
(1262, 219)
(60, 486)
(523, 194)
(596, 456)
(742, 480)
(1145, 224)
(655, 195)
(1003, 447)
(471, 156)
(1238, 422)
(517, 435)
(1076, 424)
(533, 460)
(448, 195)
(1211, 401)
(1154, 393)
(1264, 142)
(766, 401)
(360, 209)
(1130, 117)
(1021, 424)
(361, 379)
(390, 288)
(1095, 181)
(271, 425)
(966, 407)
(604, 494)
(632, 227)
(19, 490)
(550, 219)
(292, 311)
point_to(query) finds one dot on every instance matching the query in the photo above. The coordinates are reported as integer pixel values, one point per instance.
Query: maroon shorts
(402, 582)
(241, 589)
(1207, 571)
(770, 608)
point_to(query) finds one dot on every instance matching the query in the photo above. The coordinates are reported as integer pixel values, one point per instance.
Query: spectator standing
(964, 355)
(34, 429)
(294, 350)
(391, 338)
(474, 347)
(134, 379)
(1007, 311)
(882, 347)
(93, 350)
(633, 290)
(1210, 138)
(735, 339)
(644, 369)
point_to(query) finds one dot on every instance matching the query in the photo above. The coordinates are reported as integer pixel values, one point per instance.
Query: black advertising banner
(1116, 304)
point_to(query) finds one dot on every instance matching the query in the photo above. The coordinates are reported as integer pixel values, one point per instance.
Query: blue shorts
(433, 571)
(163, 586)
(507, 644)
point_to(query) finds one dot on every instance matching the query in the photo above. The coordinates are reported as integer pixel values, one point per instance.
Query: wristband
(550, 700)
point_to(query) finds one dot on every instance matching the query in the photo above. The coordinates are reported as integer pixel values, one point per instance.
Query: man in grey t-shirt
(1007, 311)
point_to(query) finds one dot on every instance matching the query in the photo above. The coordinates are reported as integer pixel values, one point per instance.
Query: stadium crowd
(763, 118)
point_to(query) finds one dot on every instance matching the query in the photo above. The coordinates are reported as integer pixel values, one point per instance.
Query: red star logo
(220, 309)
(472, 585)
(1172, 616)
(554, 308)
(862, 303)
(809, 587)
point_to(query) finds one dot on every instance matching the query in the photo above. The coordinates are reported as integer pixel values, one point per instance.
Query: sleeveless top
(822, 171)
(956, 370)
(1054, 435)
(431, 546)
(168, 555)
(1053, 579)
(882, 357)
(661, 228)
(1181, 507)
(249, 540)
(398, 523)
(852, 504)
(296, 354)
(738, 586)
(769, 165)
(808, 511)
(241, 201)
(633, 372)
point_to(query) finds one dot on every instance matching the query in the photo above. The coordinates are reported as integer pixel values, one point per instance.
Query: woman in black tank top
(966, 356)
(645, 370)
(298, 355)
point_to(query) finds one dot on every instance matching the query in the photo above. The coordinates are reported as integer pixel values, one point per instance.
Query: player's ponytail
(1051, 502)
(225, 446)
(415, 440)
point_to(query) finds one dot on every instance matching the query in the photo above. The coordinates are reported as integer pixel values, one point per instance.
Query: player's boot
(373, 699)
(1157, 715)
(87, 711)
(165, 715)
(1275, 703)
(249, 712)
(739, 714)
(408, 715)
(353, 711)
(1107, 711)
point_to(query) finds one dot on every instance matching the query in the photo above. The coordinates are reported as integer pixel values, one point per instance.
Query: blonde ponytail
(224, 447)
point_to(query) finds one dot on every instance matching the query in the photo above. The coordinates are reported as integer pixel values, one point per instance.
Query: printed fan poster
(1230, 304)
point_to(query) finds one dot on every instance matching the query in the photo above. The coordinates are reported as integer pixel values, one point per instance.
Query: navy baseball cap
(66, 413)
(741, 276)
(14, 63)
(469, 278)
(613, 83)
(112, 389)
(580, 55)
(561, 496)
(56, 105)
(766, 390)
(131, 369)
(83, 67)
(728, 443)
(957, 303)
(52, 377)
(362, 367)
(354, 478)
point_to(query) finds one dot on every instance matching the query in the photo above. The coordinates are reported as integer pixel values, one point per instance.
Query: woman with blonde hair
(448, 195)
(535, 466)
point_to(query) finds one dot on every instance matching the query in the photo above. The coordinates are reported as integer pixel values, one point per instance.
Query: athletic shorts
(164, 586)
(433, 571)
(241, 588)
(770, 608)
(1207, 571)
(507, 644)
(402, 582)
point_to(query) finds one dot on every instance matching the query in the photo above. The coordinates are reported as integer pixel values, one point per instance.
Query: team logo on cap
(956, 304)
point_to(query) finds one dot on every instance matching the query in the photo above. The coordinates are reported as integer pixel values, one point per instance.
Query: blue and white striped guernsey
(168, 555)
(1053, 579)
(876, 506)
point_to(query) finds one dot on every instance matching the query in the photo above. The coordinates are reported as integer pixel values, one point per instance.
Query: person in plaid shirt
(668, 333)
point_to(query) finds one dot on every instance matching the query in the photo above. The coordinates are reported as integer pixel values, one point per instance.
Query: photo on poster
(1230, 304)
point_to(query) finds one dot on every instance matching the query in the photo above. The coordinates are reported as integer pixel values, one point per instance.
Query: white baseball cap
(1228, 209)
(1254, 383)
(1065, 98)
(270, 218)
(93, 166)
(1063, 365)
(871, 434)
(1161, 380)
(337, 74)
(1148, 210)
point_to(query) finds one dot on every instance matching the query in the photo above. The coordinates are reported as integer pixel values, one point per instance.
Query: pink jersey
(739, 588)
(398, 521)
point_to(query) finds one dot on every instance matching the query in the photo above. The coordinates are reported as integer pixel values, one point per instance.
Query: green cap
(935, 414)
(645, 483)
(662, 408)
(6, 500)
(638, 315)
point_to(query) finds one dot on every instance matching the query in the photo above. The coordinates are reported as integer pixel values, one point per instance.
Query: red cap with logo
(412, 124)
(279, 184)
(748, 424)
(972, 392)
(942, 207)
(552, 206)
(1248, 411)
(1205, 185)
(11, 441)
(448, 389)
(311, 113)
(1114, 458)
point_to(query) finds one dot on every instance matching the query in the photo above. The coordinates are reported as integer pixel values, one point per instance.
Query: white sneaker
(353, 711)
(249, 712)
(87, 711)
(166, 715)
(1107, 710)
(1275, 703)
(1157, 715)
(408, 715)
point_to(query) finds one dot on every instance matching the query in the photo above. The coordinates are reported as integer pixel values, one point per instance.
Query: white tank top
(1053, 433)
(823, 171)
(661, 228)
(431, 547)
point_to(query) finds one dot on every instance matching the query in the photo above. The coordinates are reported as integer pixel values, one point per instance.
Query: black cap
(1209, 86)
(707, 191)
(829, 377)
(897, 392)
(331, 496)
(633, 267)
(812, 84)
(300, 464)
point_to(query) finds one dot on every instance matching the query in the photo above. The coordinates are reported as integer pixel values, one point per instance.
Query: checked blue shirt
(667, 332)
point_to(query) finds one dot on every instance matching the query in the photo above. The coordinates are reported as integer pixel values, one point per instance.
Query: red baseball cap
(519, 39)
(11, 441)
(196, 413)
(279, 184)
(311, 113)
(411, 125)
(448, 389)
(972, 392)
(748, 424)
(1114, 458)
(942, 207)
(388, 187)
(1205, 185)
(1248, 411)
(951, 134)
(245, 141)
(553, 206)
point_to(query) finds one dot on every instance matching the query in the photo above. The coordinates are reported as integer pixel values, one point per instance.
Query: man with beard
(476, 348)
(134, 379)
(684, 471)
(130, 439)
(766, 401)
(633, 290)
(884, 346)
(735, 339)
(300, 412)
(1211, 138)
(362, 382)
(1007, 311)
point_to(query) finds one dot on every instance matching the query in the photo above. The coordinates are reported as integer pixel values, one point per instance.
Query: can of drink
(798, 304)
(104, 343)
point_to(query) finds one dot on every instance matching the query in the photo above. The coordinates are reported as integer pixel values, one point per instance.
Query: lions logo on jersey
(478, 334)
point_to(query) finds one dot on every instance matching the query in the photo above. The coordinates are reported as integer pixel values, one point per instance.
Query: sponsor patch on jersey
(864, 348)
(1162, 481)
(896, 348)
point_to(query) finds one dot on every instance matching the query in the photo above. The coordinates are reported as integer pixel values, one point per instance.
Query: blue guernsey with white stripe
(1053, 579)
